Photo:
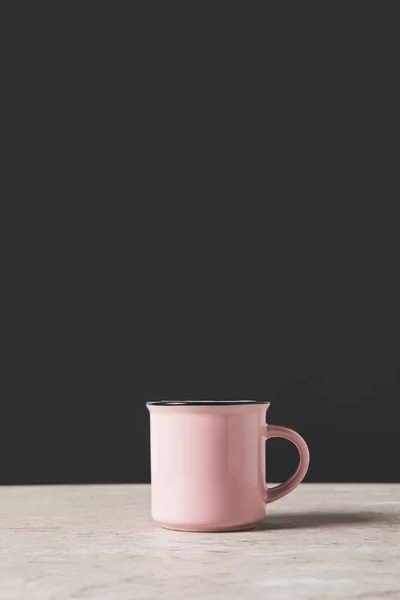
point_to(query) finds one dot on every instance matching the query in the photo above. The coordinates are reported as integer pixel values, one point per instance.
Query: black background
(200, 206)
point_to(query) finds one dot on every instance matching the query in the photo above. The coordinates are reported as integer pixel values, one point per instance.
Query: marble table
(99, 542)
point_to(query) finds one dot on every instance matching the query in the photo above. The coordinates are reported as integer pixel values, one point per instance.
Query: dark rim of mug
(203, 402)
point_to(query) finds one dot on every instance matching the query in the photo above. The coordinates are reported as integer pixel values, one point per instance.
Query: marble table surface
(99, 542)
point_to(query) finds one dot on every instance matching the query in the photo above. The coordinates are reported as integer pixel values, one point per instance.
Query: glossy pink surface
(208, 465)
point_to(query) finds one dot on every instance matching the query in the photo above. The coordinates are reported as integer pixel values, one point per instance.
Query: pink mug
(208, 464)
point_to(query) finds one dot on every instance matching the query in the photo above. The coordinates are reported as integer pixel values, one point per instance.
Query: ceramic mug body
(208, 464)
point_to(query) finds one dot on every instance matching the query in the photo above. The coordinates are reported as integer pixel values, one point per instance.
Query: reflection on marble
(98, 542)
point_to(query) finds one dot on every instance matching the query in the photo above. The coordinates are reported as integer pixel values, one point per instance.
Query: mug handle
(273, 431)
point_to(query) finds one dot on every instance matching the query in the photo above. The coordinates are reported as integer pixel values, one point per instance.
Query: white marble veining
(98, 542)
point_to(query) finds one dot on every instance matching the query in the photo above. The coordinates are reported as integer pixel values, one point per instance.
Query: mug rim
(205, 402)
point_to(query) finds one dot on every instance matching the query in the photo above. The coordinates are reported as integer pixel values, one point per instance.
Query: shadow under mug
(208, 464)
